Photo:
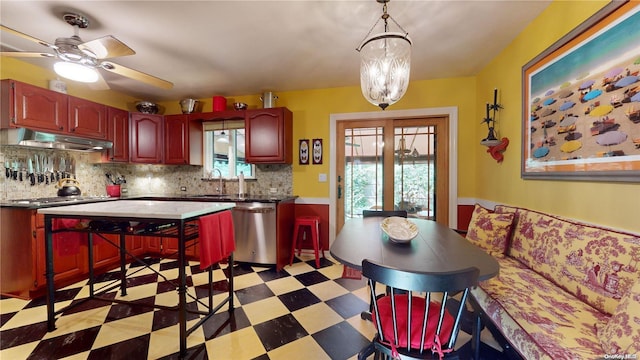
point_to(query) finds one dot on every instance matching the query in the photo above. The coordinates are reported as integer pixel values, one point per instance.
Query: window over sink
(224, 149)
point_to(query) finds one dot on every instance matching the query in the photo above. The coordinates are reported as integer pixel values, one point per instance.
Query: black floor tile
(298, 299)
(280, 331)
(163, 318)
(311, 278)
(136, 348)
(340, 341)
(225, 322)
(88, 304)
(348, 305)
(272, 274)
(22, 335)
(59, 295)
(65, 345)
(253, 293)
(137, 307)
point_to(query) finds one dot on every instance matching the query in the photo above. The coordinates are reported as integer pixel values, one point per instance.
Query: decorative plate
(399, 229)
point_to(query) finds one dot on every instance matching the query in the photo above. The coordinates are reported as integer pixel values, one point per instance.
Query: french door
(393, 164)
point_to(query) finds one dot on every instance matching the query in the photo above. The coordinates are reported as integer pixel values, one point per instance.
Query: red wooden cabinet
(269, 135)
(87, 118)
(67, 268)
(118, 134)
(146, 138)
(25, 105)
(182, 140)
(176, 139)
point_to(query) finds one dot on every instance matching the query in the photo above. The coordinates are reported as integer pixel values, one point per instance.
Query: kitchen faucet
(219, 181)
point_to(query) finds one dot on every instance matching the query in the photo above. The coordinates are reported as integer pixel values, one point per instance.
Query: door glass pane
(414, 170)
(363, 170)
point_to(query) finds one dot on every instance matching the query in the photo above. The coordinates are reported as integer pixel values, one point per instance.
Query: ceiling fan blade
(136, 75)
(25, 54)
(107, 47)
(100, 84)
(25, 36)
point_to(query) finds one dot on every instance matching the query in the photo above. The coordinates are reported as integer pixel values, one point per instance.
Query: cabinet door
(87, 118)
(37, 108)
(135, 244)
(64, 266)
(104, 254)
(176, 143)
(269, 136)
(145, 137)
(153, 244)
(118, 134)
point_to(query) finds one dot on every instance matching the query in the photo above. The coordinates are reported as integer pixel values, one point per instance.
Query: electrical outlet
(273, 190)
(183, 188)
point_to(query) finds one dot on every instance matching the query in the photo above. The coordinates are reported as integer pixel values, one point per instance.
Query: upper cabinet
(25, 105)
(269, 135)
(87, 118)
(146, 138)
(182, 140)
(118, 134)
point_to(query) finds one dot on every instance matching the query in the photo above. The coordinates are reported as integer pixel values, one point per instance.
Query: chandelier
(385, 63)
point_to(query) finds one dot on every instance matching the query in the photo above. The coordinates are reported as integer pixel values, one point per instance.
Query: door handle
(339, 191)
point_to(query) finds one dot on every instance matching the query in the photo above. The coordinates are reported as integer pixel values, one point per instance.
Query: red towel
(217, 241)
(67, 243)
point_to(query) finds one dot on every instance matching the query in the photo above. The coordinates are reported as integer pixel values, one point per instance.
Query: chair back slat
(426, 326)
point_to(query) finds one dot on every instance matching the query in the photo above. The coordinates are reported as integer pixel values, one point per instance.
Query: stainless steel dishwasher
(255, 232)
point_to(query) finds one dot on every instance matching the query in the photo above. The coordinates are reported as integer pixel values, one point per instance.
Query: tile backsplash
(142, 179)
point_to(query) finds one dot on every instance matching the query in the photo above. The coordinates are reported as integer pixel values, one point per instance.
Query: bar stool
(312, 222)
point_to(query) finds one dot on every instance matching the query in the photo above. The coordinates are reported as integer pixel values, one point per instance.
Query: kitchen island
(177, 219)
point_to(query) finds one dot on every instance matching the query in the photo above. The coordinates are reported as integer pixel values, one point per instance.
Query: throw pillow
(621, 335)
(490, 231)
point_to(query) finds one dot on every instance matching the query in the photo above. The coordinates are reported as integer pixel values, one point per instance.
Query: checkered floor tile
(298, 312)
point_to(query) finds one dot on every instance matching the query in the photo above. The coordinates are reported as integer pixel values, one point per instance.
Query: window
(224, 150)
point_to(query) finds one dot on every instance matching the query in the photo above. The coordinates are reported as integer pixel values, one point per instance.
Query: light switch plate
(322, 178)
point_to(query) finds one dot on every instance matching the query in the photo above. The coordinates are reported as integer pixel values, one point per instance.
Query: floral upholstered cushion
(621, 334)
(490, 231)
(595, 264)
(540, 320)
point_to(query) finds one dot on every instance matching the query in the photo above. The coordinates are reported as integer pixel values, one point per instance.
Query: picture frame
(316, 150)
(581, 101)
(303, 152)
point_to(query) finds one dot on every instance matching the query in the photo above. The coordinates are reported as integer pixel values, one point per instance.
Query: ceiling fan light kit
(76, 72)
(80, 61)
(385, 63)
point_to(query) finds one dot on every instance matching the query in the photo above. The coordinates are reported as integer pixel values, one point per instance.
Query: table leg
(48, 245)
(91, 274)
(182, 298)
(123, 264)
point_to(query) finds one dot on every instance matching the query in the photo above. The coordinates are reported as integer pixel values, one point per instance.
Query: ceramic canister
(219, 103)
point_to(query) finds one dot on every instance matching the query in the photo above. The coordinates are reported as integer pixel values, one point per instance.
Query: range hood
(39, 139)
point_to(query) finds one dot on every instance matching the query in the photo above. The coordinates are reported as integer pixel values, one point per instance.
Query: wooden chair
(412, 321)
(383, 213)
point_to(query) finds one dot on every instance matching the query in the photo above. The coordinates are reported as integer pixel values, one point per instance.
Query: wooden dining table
(436, 248)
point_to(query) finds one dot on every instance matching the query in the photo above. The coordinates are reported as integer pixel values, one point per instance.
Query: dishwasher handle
(255, 209)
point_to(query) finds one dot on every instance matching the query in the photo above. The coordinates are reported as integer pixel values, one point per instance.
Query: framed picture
(317, 151)
(581, 101)
(303, 152)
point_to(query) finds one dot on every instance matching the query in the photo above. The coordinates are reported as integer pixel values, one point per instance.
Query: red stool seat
(312, 222)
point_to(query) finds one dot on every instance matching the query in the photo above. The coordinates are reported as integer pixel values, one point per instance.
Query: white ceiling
(232, 48)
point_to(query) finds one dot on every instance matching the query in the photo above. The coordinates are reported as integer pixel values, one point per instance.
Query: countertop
(142, 209)
(36, 203)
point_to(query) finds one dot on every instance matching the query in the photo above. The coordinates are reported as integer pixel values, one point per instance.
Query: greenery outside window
(224, 149)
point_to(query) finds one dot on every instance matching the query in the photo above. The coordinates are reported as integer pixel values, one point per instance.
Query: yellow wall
(606, 203)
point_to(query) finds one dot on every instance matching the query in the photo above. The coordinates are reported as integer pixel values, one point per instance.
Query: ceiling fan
(86, 56)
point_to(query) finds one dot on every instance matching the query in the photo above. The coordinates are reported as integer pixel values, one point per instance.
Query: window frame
(210, 128)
